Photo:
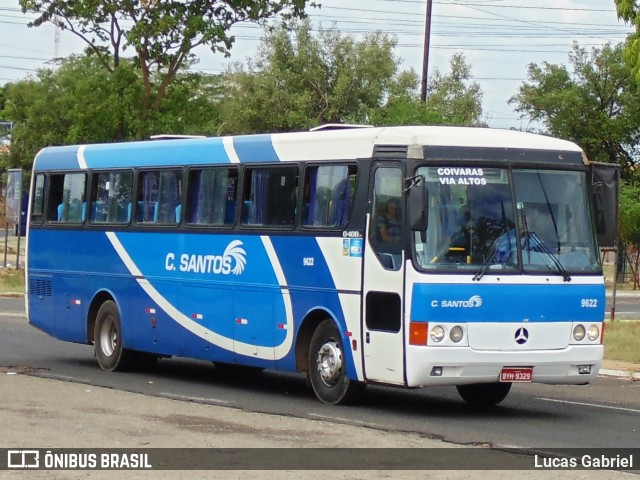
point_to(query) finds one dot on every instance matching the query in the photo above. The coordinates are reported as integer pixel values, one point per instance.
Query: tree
(597, 105)
(629, 11)
(162, 33)
(81, 102)
(453, 98)
(630, 228)
(300, 80)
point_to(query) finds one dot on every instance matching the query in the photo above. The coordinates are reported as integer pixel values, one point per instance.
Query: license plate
(516, 374)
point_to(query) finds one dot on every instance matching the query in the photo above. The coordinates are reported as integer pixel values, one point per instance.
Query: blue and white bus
(406, 256)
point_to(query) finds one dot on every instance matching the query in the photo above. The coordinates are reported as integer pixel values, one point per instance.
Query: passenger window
(67, 198)
(328, 195)
(37, 204)
(159, 197)
(212, 196)
(111, 197)
(270, 196)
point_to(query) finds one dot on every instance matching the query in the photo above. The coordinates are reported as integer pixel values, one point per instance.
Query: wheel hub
(108, 337)
(329, 363)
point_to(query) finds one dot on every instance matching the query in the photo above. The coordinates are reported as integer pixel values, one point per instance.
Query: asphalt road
(627, 305)
(603, 414)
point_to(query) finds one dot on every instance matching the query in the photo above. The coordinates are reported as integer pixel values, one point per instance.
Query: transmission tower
(56, 36)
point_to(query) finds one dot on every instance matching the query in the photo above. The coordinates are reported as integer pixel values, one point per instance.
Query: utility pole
(427, 41)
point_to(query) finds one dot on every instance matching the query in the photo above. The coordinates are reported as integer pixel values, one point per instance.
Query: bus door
(383, 280)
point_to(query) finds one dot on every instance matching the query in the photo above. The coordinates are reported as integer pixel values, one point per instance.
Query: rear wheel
(327, 367)
(110, 353)
(484, 394)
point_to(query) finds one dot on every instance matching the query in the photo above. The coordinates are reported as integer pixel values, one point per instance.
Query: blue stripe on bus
(157, 154)
(258, 148)
(508, 303)
(58, 158)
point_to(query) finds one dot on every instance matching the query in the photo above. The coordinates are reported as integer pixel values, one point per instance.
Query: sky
(498, 38)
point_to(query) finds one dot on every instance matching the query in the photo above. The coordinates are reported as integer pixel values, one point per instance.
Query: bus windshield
(496, 220)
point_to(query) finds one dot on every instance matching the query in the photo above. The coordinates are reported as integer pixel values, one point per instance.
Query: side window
(328, 195)
(111, 197)
(37, 203)
(270, 196)
(212, 196)
(386, 226)
(159, 197)
(66, 198)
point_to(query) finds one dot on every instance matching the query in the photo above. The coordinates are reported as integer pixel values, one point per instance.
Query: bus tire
(484, 394)
(109, 352)
(327, 367)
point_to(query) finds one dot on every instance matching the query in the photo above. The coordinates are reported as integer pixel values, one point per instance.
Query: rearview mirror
(418, 206)
(605, 185)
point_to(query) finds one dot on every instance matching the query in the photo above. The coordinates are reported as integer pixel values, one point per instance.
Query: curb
(633, 376)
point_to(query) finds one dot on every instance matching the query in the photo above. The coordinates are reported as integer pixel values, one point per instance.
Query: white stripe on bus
(264, 353)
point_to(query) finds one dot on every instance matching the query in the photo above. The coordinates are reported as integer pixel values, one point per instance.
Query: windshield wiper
(494, 246)
(539, 245)
(492, 254)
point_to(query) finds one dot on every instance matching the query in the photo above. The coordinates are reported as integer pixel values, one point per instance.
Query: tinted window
(111, 197)
(37, 204)
(159, 197)
(386, 229)
(212, 196)
(328, 196)
(270, 196)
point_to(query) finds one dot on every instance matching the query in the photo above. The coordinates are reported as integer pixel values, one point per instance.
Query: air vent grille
(390, 151)
(40, 288)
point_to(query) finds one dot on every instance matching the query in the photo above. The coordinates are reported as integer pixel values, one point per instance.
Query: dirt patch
(619, 365)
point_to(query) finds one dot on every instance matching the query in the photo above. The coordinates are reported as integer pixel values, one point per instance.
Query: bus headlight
(578, 333)
(437, 333)
(593, 333)
(456, 334)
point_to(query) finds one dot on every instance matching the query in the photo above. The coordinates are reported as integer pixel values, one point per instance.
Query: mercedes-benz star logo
(522, 335)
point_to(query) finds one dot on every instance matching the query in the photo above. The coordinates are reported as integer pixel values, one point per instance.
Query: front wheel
(110, 353)
(327, 367)
(484, 394)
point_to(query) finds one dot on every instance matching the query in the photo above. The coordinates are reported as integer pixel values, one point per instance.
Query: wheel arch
(311, 321)
(97, 301)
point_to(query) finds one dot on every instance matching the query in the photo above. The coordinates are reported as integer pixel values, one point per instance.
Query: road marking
(173, 396)
(583, 404)
(348, 421)
(13, 314)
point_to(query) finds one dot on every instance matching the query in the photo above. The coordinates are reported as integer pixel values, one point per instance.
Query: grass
(11, 281)
(622, 341)
(621, 337)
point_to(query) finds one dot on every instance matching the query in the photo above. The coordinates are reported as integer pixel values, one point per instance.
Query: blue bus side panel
(223, 292)
(308, 272)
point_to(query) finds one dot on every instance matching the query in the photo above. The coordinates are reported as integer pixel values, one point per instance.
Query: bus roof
(340, 144)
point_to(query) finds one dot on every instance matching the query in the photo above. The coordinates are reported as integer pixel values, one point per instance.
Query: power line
(10, 67)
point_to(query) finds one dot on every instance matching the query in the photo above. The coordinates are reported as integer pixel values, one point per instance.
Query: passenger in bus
(388, 224)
